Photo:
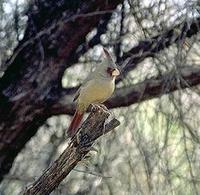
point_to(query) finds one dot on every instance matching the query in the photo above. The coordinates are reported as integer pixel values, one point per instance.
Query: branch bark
(187, 77)
(152, 46)
(94, 126)
(151, 88)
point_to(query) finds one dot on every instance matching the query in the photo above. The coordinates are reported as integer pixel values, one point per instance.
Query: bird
(96, 89)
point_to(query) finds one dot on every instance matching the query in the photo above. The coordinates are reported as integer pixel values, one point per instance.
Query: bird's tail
(76, 120)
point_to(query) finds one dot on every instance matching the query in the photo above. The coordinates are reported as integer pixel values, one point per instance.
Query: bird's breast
(96, 91)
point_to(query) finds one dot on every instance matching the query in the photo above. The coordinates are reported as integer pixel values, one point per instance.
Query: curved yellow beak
(115, 72)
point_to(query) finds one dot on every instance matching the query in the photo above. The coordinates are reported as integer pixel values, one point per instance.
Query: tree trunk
(32, 81)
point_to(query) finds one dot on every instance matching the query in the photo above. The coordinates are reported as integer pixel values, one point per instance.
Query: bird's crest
(107, 54)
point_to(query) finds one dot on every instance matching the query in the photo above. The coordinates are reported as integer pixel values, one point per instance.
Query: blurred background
(156, 148)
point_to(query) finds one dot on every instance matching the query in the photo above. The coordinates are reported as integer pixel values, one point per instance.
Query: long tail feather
(77, 118)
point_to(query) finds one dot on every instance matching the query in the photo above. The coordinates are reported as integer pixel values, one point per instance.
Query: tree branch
(101, 29)
(152, 46)
(155, 87)
(148, 89)
(94, 126)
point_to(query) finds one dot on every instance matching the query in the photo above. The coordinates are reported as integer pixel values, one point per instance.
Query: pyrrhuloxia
(97, 88)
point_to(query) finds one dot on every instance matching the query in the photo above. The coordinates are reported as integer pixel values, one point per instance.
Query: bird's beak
(115, 72)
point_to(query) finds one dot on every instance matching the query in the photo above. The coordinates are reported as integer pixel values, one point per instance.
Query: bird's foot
(99, 106)
(103, 107)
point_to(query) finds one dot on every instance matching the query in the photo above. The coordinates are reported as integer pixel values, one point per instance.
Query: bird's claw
(96, 107)
(103, 107)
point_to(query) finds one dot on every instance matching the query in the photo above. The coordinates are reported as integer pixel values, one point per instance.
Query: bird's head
(110, 66)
